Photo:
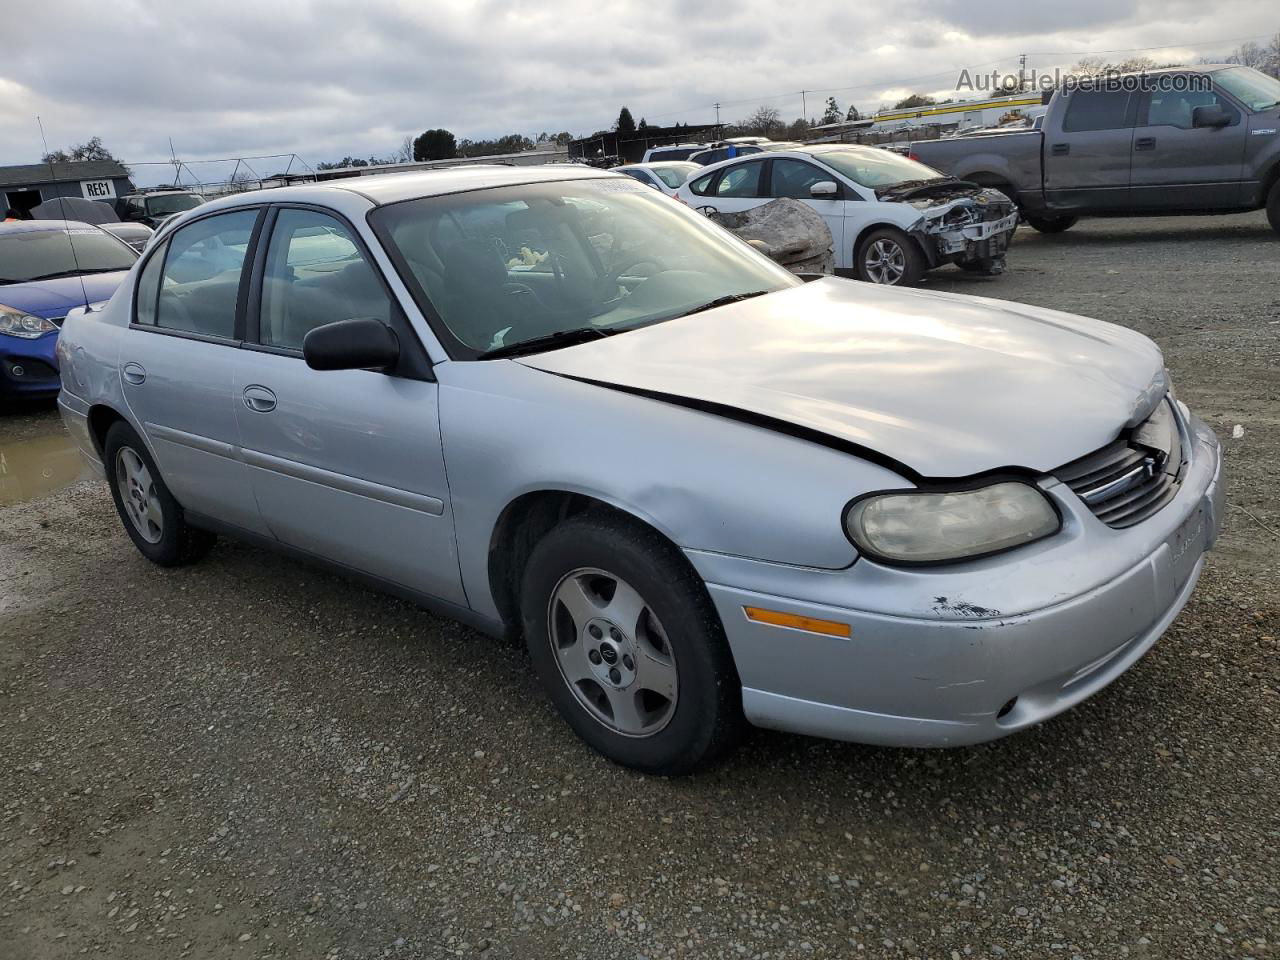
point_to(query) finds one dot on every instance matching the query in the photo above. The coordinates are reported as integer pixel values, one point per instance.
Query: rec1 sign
(98, 189)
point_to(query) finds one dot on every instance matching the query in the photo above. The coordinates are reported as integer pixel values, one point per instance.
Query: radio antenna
(62, 208)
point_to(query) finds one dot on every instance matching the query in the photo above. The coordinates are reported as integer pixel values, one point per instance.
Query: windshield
(675, 174)
(171, 203)
(1254, 89)
(875, 168)
(43, 254)
(513, 264)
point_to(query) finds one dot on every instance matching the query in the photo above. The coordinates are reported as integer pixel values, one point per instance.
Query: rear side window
(1096, 110)
(681, 154)
(740, 181)
(200, 283)
(315, 274)
(149, 287)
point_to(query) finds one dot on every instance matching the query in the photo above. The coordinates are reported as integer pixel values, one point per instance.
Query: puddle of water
(30, 468)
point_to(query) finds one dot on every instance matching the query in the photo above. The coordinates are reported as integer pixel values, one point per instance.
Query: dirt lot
(250, 759)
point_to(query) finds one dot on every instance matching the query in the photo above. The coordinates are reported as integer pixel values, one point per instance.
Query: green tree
(853, 113)
(832, 112)
(915, 100)
(438, 144)
(626, 124)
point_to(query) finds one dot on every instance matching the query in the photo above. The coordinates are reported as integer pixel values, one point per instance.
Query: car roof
(384, 188)
(36, 226)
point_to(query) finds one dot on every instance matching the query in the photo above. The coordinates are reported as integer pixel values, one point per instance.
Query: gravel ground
(250, 759)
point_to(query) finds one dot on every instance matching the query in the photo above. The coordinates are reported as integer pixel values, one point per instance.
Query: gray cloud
(327, 78)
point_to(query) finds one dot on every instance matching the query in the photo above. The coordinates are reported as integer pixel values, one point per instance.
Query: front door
(1177, 165)
(345, 464)
(794, 179)
(177, 364)
(1086, 163)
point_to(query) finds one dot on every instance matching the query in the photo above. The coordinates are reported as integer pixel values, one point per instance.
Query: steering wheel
(646, 258)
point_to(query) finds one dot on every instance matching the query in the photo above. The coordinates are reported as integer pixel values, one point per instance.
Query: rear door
(1087, 162)
(345, 464)
(178, 357)
(1177, 165)
(737, 188)
(788, 177)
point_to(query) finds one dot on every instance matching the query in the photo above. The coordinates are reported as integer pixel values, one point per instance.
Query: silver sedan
(552, 403)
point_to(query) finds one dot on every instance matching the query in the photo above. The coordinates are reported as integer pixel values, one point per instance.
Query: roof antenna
(62, 207)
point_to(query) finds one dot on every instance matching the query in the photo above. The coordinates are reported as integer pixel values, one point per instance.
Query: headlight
(925, 527)
(18, 324)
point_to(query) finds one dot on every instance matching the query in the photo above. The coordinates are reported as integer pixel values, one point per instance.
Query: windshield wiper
(75, 273)
(907, 185)
(723, 302)
(549, 341)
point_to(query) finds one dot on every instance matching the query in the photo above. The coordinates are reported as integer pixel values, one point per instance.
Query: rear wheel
(151, 516)
(1273, 206)
(890, 257)
(626, 642)
(1051, 224)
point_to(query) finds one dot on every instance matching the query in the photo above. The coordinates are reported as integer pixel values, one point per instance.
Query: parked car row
(555, 404)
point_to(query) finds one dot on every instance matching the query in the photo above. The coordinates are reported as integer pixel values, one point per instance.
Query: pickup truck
(1183, 140)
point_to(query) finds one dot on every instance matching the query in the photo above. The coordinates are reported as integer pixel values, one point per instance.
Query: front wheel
(1051, 224)
(628, 645)
(890, 257)
(1273, 206)
(151, 516)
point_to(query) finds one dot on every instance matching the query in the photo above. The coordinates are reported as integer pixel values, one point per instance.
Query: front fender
(706, 482)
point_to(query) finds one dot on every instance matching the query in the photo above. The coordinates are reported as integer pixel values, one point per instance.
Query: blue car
(47, 268)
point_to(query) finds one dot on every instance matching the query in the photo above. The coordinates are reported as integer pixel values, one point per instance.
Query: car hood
(945, 385)
(53, 298)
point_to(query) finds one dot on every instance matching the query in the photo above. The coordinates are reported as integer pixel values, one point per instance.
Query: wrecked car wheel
(1052, 224)
(890, 257)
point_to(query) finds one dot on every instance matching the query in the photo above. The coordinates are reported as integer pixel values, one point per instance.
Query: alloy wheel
(885, 261)
(138, 495)
(613, 652)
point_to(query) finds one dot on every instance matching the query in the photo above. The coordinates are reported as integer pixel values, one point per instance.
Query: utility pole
(717, 114)
(804, 105)
(1022, 73)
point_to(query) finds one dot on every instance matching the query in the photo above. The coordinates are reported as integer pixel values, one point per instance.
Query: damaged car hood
(945, 385)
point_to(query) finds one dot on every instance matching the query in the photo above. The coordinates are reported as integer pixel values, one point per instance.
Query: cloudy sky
(323, 78)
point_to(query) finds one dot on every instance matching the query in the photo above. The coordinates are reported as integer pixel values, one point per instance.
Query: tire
(1051, 224)
(151, 516)
(896, 257)
(604, 593)
(1273, 206)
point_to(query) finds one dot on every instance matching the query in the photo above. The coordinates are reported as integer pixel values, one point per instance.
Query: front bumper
(944, 670)
(29, 368)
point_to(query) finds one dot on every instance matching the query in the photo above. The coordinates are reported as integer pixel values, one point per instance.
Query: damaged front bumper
(973, 228)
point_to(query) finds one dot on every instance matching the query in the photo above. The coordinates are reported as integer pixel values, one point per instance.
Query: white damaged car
(891, 218)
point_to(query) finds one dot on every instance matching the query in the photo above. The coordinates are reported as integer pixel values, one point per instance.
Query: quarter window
(200, 283)
(702, 185)
(315, 274)
(149, 287)
(1096, 110)
(740, 181)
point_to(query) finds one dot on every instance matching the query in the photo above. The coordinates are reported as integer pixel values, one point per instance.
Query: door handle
(1060, 149)
(1144, 143)
(134, 372)
(259, 399)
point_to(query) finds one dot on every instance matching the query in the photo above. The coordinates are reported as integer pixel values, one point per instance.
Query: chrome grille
(1127, 481)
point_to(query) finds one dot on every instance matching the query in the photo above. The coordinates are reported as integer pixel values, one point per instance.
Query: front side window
(1177, 109)
(315, 274)
(30, 255)
(505, 265)
(740, 181)
(793, 178)
(1096, 110)
(200, 282)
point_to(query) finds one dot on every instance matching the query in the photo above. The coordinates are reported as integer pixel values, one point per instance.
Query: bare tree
(763, 122)
(404, 154)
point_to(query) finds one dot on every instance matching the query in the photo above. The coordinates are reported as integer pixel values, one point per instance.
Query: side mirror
(824, 190)
(362, 343)
(1211, 115)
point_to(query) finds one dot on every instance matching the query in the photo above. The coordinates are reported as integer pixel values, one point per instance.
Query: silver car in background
(552, 403)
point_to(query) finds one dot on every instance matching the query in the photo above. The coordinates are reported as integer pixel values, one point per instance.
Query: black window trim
(162, 249)
(415, 363)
